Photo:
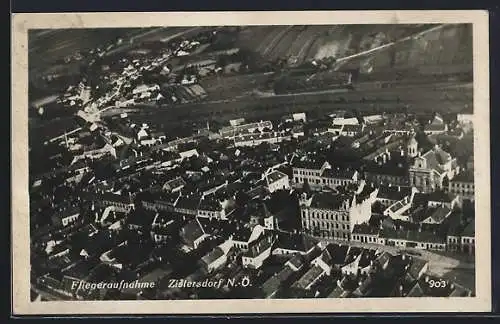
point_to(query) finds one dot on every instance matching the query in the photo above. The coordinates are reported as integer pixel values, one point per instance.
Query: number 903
(437, 283)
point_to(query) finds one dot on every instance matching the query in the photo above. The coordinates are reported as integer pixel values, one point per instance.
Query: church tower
(412, 147)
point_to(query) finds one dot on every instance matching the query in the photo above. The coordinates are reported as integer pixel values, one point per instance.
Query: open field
(306, 43)
(449, 45)
(424, 98)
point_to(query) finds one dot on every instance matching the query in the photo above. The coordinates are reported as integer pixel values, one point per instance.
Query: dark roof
(258, 246)
(435, 158)
(338, 173)
(390, 168)
(416, 266)
(308, 164)
(365, 229)
(191, 232)
(311, 275)
(465, 176)
(213, 255)
(440, 214)
(393, 192)
(69, 211)
(352, 128)
(82, 269)
(435, 127)
(294, 242)
(367, 256)
(188, 202)
(275, 176)
(416, 291)
(242, 234)
(413, 235)
(441, 196)
(297, 260)
(108, 196)
(384, 257)
(174, 183)
(210, 204)
(328, 200)
(272, 284)
(469, 230)
(337, 252)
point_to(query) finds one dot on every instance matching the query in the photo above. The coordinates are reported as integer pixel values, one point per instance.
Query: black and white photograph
(305, 161)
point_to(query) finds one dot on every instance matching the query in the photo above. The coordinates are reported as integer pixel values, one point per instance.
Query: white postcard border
(20, 199)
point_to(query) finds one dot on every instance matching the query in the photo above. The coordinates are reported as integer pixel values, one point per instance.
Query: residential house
(258, 251)
(463, 185)
(244, 236)
(214, 259)
(417, 268)
(162, 227)
(436, 126)
(174, 185)
(187, 205)
(66, 216)
(271, 286)
(192, 235)
(277, 180)
(231, 131)
(255, 139)
(366, 233)
(212, 208)
(352, 130)
(468, 239)
(418, 239)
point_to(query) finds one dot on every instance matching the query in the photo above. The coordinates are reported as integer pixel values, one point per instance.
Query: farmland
(423, 98)
(447, 48)
(306, 43)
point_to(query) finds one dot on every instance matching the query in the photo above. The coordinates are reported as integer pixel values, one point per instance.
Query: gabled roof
(416, 266)
(258, 246)
(275, 176)
(465, 176)
(440, 214)
(212, 256)
(272, 284)
(337, 253)
(188, 202)
(328, 200)
(393, 192)
(416, 291)
(469, 230)
(191, 232)
(310, 276)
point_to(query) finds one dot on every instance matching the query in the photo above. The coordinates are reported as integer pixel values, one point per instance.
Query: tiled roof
(212, 256)
(327, 200)
(275, 176)
(191, 232)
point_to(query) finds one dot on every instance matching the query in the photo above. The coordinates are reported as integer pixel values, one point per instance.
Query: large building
(463, 185)
(319, 175)
(231, 131)
(333, 215)
(430, 169)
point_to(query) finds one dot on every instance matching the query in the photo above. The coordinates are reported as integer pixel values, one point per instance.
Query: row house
(322, 175)
(463, 185)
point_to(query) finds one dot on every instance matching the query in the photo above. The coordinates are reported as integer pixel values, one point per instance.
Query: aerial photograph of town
(251, 162)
